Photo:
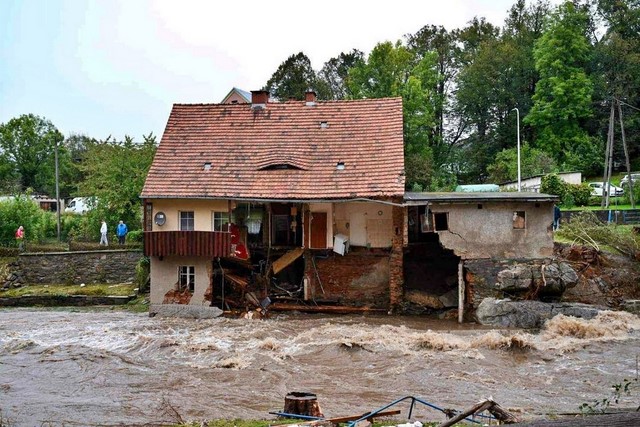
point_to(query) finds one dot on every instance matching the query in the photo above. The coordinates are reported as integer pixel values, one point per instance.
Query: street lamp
(518, 133)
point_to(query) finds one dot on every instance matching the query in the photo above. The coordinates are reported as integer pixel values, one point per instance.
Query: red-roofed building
(245, 201)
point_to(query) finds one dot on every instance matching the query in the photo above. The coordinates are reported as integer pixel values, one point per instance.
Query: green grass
(266, 423)
(89, 290)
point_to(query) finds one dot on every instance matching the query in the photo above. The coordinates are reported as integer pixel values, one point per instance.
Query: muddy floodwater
(102, 367)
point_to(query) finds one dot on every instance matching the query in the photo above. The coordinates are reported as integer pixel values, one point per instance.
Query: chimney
(259, 99)
(310, 98)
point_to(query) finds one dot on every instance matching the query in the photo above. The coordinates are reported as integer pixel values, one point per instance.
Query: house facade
(247, 201)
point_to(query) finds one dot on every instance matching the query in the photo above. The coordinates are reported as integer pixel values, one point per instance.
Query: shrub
(135, 236)
(552, 184)
(581, 193)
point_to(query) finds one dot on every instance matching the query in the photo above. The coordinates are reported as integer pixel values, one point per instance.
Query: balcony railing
(187, 243)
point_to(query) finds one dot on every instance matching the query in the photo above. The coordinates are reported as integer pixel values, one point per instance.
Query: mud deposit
(102, 367)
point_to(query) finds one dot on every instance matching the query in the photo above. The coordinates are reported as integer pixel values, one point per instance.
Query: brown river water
(103, 367)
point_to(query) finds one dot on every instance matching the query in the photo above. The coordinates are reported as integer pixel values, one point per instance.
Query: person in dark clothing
(556, 217)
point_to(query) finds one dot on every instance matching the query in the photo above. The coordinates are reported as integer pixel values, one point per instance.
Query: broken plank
(324, 309)
(286, 259)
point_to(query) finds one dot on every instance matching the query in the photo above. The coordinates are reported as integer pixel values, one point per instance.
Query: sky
(115, 67)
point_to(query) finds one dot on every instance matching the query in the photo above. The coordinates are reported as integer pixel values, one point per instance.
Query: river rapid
(104, 367)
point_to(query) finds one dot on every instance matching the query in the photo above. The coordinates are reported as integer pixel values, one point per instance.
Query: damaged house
(257, 203)
(302, 204)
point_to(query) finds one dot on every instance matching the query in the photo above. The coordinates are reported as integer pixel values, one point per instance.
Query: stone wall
(74, 268)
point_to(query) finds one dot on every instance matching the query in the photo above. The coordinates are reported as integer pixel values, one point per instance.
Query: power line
(628, 105)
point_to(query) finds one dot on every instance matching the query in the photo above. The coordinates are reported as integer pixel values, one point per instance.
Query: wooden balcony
(187, 243)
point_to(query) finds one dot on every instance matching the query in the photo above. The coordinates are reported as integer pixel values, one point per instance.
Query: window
(519, 220)
(441, 221)
(220, 221)
(187, 277)
(187, 221)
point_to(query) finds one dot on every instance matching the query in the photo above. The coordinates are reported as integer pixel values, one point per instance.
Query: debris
(487, 405)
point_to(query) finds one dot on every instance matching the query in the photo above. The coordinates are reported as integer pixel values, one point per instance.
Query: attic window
(207, 166)
(324, 125)
(340, 166)
(281, 166)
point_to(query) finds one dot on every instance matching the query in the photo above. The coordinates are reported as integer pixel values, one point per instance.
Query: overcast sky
(115, 67)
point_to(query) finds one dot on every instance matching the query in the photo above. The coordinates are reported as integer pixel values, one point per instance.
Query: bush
(581, 193)
(552, 184)
(135, 236)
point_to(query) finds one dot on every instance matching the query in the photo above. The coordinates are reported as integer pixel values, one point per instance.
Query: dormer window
(280, 166)
(207, 166)
(340, 166)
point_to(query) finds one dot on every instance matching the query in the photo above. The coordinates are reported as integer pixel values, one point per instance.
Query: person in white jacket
(103, 234)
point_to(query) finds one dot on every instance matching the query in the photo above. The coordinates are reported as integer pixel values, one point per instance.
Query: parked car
(635, 178)
(80, 205)
(599, 189)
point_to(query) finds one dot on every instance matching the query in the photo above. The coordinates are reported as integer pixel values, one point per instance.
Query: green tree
(293, 78)
(335, 71)
(563, 95)
(532, 162)
(114, 174)
(392, 70)
(28, 143)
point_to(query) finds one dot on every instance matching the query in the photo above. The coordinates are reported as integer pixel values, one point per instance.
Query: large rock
(559, 276)
(515, 278)
(528, 314)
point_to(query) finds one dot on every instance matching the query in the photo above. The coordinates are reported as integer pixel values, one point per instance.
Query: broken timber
(488, 405)
(286, 259)
(337, 309)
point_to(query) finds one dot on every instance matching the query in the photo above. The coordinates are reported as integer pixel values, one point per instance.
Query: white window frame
(181, 221)
(217, 224)
(187, 277)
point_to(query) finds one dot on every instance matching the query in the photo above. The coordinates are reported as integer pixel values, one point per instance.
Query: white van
(80, 205)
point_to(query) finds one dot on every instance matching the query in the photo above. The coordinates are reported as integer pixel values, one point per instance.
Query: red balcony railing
(187, 243)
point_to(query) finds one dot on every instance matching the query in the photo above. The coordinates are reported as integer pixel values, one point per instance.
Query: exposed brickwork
(360, 278)
(396, 270)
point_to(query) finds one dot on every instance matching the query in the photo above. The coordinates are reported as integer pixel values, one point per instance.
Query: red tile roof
(244, 147)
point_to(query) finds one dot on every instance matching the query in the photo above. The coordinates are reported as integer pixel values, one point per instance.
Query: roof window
(324, 125)
(340, 166)
(207, 166)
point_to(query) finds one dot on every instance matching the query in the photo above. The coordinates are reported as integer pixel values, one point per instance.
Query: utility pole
(626, 155)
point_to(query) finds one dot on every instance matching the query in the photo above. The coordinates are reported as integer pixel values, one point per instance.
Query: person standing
(20, 238)
(556, 217)
(103, 234)
(121, 232)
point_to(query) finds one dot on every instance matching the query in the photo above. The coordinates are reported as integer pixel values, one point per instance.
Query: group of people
(121, 233)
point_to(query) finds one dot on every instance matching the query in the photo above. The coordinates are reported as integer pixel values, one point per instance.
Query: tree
(293, 78)
(562, 99)
(335, 71)
(392, 70)
(532, 162)
(115, 173)
(28, 143)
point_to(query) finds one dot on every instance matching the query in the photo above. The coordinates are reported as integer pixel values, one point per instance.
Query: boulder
(515, 278)
(528, 314)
